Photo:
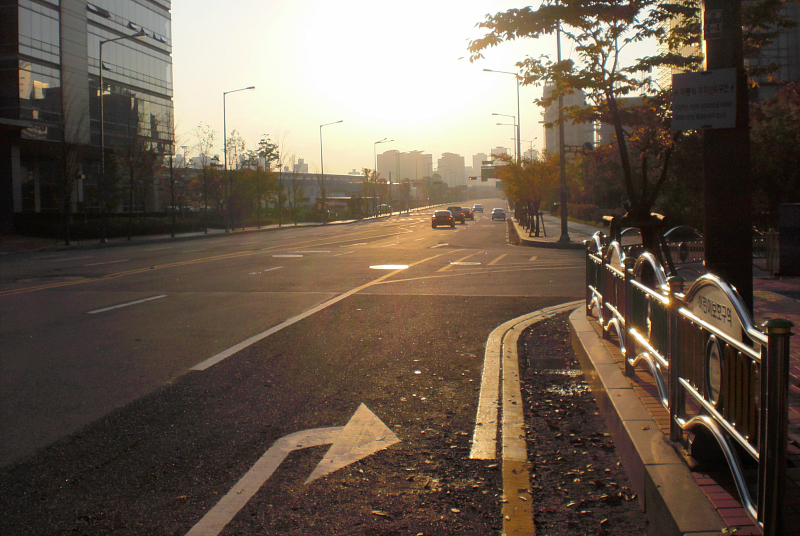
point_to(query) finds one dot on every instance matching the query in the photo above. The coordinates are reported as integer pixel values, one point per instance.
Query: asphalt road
(107, 429)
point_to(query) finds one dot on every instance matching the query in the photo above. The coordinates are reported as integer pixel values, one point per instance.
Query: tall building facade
(575, 135)
(50, 105)
(398, 166)
(452, 170)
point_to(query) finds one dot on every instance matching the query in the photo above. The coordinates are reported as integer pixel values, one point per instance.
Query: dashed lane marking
(456, 262)
(121, 305)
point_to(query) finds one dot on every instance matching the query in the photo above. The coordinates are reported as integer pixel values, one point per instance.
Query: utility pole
(726, 159)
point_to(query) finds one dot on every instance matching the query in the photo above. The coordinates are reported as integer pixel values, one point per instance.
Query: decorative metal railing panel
(714, 369)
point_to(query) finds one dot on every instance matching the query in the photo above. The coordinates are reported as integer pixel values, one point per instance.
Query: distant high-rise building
(451, 169)
(49, 94)
(784, 53)
(477, 162)
(575, 135)
(300, 166)
(412, 165)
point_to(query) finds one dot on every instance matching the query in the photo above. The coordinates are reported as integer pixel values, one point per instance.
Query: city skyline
(413, 84)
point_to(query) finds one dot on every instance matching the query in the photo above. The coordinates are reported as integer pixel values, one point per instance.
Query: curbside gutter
(672, 500)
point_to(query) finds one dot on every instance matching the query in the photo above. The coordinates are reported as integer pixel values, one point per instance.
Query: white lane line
(353, 245)
(193, 250)
(314, 251)
(418, 239)
(108, 262)
(287, 256)
(158, 249)
(390, 245)
(73, 258)
(266, 270)
(120, 306)
(533, 258)
(213, 360)
(345, 253)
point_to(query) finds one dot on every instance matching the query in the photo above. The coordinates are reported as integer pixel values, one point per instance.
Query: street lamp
(375, 156)
(225, 144)
(517, 154)
(516, 77)
(514, 138)
(531, 142)
(138, 35)
(562, 158)
(322, 173)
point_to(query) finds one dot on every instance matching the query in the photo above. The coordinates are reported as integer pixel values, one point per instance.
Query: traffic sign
(704, 99)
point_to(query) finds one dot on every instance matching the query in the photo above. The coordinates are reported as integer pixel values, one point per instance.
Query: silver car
(498, 214)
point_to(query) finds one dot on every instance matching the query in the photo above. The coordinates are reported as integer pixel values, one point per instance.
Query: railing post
(604, 292)
(677, 400)
(590, 270)
(629, 262)
(773, 432)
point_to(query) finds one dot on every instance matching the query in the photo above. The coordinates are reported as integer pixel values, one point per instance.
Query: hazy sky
(388, 69)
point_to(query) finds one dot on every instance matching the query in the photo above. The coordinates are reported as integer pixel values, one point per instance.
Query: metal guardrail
(713, 368)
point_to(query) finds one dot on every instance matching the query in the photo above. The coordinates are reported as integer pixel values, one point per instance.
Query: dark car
(498, 214)
(442, 217)
(468, 213)
(458, 213)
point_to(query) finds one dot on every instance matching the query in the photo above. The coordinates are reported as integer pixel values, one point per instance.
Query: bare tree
(71, 154)
(135, 157)
(205, 142)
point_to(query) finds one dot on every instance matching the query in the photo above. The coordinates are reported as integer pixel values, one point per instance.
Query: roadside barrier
(716, 372)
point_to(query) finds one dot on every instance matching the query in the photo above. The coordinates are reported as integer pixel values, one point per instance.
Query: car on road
(458, 213)
(442, 217)
(498, 214)
(384, 209)
(477, 208)
(468, 214)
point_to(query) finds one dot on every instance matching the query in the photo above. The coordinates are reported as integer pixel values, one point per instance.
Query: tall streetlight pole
(225, 145)
(514, 139)
(102, 190)
(531, 142)
(322, 173)
(516, 77)
(562, 158)
(375, 156)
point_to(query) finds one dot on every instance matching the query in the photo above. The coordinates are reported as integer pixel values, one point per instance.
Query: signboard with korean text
(704, 100)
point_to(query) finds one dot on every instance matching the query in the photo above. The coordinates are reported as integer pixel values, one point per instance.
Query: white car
(498, 214)
(477, 208)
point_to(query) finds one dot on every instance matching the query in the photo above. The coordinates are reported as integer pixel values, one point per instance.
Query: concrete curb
(516, 238)
(673, 501)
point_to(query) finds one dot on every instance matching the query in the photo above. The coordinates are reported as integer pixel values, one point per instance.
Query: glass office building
(50, 96)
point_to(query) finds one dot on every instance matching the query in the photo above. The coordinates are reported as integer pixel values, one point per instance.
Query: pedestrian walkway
(550, 233)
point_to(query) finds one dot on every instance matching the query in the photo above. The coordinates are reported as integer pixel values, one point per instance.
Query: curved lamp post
(516, 77)
(322, 173)
(138, 35)
(225, 144)
(517, 154)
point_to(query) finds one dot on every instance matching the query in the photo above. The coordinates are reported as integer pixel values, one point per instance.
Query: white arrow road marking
(364, 435)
